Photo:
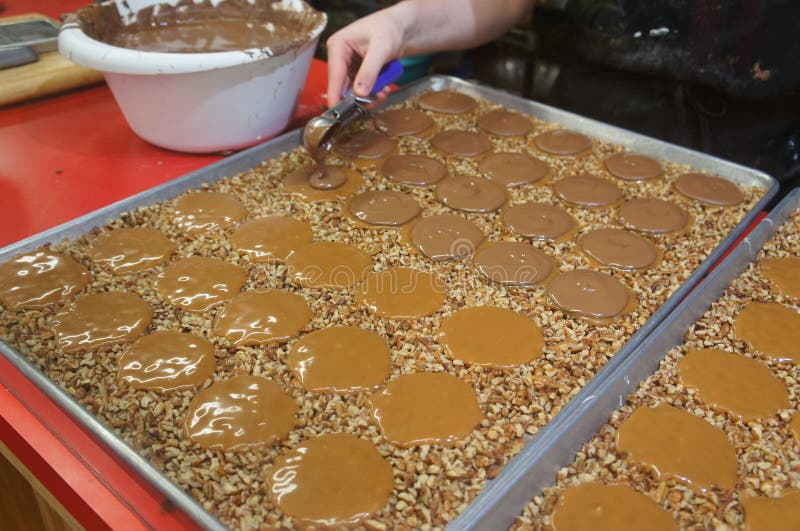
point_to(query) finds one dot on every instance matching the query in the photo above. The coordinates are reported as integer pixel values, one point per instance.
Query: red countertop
(61, 157)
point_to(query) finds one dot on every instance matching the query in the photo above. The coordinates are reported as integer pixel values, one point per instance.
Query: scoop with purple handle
(319, 131)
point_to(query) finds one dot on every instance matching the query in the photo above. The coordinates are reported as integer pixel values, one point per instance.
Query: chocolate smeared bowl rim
(79, 47)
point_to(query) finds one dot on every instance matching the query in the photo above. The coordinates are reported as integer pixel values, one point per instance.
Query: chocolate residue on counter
(199, 26)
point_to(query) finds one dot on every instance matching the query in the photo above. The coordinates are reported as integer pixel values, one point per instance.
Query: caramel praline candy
(426, 408)
(331, 481)
(471, 194)
(100, 320)
(328, 265)
(767, 514)
(674, 442)
(598, 507)
(784, 275)
(731, 382)
(492, 337)
(197, 212)
(709, 189)
(401, 293)
(340, 359)
(197, 283)
(447, 102)
(240, 412)
(262, 317)
(771, 329)
(40, 278)
(272, 238)
(167, 361)
(131, 249)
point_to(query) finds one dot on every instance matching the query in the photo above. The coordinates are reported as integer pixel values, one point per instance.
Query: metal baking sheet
(504, 497)
(558, 447)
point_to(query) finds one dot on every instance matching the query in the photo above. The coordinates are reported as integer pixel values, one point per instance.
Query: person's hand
(357, 52)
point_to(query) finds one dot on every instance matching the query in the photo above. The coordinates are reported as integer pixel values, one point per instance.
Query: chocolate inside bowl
(203, 27)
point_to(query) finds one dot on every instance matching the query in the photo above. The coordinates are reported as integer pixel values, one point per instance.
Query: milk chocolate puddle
(590, 294)
(633, 166)
(513, 169)
(709, 189)
(404, 122)
(652, 215)
(447, 102)
(619, 248)
(445, 236)
(332, 183)
(587, 190)
(513, 263)
(470, 194)
(540, 221)
(386, 208)
(501, 122)
(415, 170)
(563, 142)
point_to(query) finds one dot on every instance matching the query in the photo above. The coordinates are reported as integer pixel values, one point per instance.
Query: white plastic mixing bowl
(197, 102)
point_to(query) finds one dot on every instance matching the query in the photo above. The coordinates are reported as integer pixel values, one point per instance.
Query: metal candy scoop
(319, 132)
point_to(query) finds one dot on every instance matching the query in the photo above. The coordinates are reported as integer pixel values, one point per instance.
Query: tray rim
(254, 156)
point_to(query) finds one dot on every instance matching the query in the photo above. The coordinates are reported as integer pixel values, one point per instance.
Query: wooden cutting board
(50, 74)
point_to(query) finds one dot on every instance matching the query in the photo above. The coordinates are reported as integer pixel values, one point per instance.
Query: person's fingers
(339, 57)
(377, 54)
(380, 98)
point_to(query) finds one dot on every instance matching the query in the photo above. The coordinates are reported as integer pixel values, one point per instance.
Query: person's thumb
(377, 54)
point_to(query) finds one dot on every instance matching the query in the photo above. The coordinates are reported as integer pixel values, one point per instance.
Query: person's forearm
(433, 25)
